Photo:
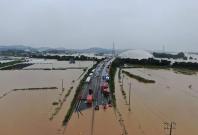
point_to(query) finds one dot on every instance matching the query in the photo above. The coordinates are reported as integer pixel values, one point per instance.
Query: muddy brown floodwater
(105, 123)
(28, 112)
(40, 63)
(174, 97)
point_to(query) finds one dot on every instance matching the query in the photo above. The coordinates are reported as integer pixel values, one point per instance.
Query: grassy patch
(184, 71)
(42, 88)
(119, 74)
(112, 73)
(57, 109)
(123, 92)
(148, 66)
(69, 91)
(55, 103)
(84, 70)
(138, 78)
(9, 63)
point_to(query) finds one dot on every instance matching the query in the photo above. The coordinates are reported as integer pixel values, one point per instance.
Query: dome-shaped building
(136, 54)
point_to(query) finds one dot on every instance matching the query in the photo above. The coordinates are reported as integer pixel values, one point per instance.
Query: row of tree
(187, 65)
(66, 58)
(112, 73)
(153, 62)
(180, 55)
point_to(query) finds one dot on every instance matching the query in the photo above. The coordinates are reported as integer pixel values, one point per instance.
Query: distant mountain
(16, 47)
(95, 50)
(41, 49)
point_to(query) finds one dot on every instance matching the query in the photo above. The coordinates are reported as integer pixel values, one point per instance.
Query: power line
(130, 96)
(62, 86)
(113, 50)
(169, 126)
(163, 48)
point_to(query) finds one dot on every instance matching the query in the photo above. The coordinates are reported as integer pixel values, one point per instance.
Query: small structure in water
(72, 61)
(97, 107)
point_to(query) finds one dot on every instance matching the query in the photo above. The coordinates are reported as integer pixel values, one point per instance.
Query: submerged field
(105, 123)
(40, 111)
(27, 107)
(41, 63)
(172, 98)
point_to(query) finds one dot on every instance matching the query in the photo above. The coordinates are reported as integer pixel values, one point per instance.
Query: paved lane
(95, 84)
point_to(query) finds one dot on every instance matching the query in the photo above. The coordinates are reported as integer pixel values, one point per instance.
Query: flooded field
(105, 122)
(172, 98)
(41, 63)
(36, 112)
(100, 117)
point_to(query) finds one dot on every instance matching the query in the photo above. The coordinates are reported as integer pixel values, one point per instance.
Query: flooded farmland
(41, 63)
(172, 98)
(40, 112)
(105, 123)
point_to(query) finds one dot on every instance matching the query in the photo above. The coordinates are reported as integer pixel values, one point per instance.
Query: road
(95, 84)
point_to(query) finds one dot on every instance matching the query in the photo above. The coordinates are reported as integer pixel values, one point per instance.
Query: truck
(105, 88)
(89, 99)
(88, 79)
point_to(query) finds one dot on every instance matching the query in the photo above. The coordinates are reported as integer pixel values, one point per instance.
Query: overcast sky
(141, 24)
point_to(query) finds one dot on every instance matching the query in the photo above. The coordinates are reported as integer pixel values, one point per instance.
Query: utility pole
(163, 49)
(169, 126)
(123, 80)
(93, 60)
(129, 96)
(52, 66)
(113, 50)
(62, 85)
